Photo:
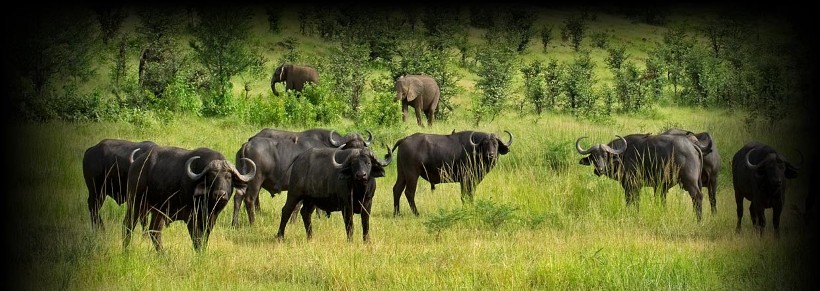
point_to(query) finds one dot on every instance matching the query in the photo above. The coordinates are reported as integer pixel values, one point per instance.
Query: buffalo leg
(365, 223)
(133, 212)
(347, 214)
(155, 230)
(712, 187)
(290, 204)
(397, 189)
(631, 196)
(697, 200)
(410, 193)
(467, 189)
(307, 212)
(94, 204)
(777, 209)
(739, 201)
(758, 217)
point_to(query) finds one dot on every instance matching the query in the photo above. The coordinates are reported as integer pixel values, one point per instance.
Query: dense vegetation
(547, 74)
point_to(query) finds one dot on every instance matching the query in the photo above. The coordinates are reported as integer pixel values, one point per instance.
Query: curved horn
(578, 146)
(333, 160)
(190, 172)
(333, 141)
(387, 158)
(619, 151)
(511, 138)
(754, 167)
(248, 176)
(369, 138)
(471, 139)
(131, 158)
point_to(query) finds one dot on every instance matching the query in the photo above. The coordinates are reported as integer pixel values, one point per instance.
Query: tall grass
(550, 222)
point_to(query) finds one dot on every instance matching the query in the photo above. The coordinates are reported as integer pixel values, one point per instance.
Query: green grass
(586, 237)
(560, 226)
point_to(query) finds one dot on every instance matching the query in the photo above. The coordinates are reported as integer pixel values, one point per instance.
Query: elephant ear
(412, 91)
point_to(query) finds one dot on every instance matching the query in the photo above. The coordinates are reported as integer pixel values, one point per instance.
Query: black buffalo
(273, 151)
(179, 184)
(334, 180)
(759, 174)
(464, 157)
(105, 171)
(326, 137)
(659, 161)
(711, 162)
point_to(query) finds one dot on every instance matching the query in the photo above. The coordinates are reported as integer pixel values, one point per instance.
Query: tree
(220, 44)
(111, 19)
(574, 28)
(497, 66)
(546, 36)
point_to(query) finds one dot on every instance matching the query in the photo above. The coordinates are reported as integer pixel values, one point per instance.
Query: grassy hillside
(558, 226)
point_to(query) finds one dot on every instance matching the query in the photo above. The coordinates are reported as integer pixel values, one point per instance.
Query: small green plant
(493, 214)
(442, 220)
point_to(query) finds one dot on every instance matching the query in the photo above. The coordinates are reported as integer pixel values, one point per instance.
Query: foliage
(546, 36)
(442, 25)
(220, 45)
(497, 66)
(274, 19)
(676, 45)
(443, 220)
(534, 85)
(493, 214)
(600, 39)
(111, 18)
(381, 111)
(347, 72)
(573, 29)
(518, 25)
(615, 57)
(580, 78)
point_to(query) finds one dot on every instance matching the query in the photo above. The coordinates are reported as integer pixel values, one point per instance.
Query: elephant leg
(404, 112)
(430, 117)
(418, 116)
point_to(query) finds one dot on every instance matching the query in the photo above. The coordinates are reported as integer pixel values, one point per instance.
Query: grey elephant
(421, 92)
(294, 76)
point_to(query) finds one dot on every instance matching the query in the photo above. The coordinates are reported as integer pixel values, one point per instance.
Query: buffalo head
(489, 147)
(773, 169)
(351, 141)
(604, 158)
(217, 178)
(362, 165)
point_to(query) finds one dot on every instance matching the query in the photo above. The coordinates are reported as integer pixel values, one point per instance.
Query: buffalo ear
(502, 148)
(791, 171)
(376, 170)
(585, 161)
(200, 190)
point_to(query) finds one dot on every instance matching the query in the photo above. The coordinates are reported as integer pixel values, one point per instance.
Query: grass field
(558, 226)
(569, 228)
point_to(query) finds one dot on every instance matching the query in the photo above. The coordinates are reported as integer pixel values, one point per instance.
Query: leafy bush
(493, 214)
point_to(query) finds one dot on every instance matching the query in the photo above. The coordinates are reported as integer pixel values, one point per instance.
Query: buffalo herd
(320, 168)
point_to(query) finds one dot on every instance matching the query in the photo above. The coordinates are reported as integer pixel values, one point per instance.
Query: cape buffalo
(711, 162)
(326, 137)
(759, 174)
(334, 180)
(105, 171)
(639, 160)
(273, 156)
(464, 157)
(179, 184)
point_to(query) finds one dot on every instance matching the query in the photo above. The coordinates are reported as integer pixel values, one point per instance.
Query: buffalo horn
(754, 167)
(248, 176)
(333, 141)
(387, 158)
(621, 150)
(369, 138)
(131, 159)
(333, 160)
(471, 139)
(190, 172)
(578, 146)
(511, 138)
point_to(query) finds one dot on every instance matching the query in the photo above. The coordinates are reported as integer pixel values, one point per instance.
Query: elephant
(421, 92)
(294, 76)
